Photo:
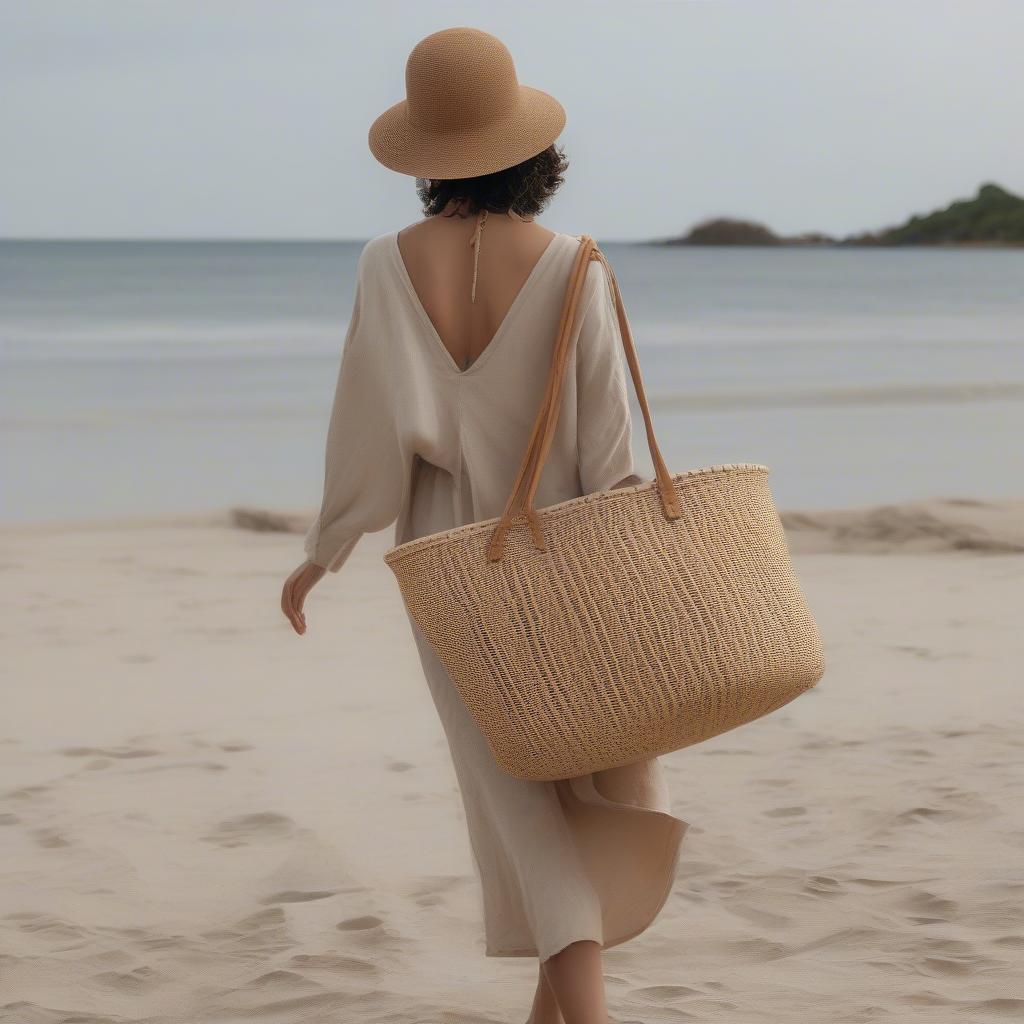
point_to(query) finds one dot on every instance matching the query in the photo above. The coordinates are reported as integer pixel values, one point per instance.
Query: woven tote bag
(617, 625)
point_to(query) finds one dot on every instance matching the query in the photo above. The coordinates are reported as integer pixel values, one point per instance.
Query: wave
(889, 394)
(109, 416)
(148, 341)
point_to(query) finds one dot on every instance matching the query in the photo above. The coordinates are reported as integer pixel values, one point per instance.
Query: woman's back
(438, 254)
(418, 438)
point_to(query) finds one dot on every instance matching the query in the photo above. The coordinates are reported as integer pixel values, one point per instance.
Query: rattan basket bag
(621, 624)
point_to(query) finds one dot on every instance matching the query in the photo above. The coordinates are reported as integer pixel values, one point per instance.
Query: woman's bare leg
(576, 977)
(545, 1006)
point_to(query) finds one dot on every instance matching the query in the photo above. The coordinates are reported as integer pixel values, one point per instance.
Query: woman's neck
(460, 208)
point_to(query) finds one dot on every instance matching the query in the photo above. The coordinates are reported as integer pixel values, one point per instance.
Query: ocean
(167, 377)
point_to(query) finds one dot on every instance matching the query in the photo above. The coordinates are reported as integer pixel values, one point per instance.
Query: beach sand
(206, 818)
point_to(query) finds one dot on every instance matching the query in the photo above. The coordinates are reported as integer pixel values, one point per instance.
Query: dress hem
(675, 842)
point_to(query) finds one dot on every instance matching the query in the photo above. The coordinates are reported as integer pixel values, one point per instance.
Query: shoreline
(677, 244)
(928, 525)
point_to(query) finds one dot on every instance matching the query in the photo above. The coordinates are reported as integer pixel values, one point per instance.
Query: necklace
(481, 219)
(475, 240)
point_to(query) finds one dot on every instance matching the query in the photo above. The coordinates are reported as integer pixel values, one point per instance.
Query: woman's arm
(363, 460)
(364, 463)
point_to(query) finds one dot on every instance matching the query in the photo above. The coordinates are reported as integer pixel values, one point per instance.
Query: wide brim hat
(465, 112)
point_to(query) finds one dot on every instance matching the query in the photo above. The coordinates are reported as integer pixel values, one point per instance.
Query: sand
(206, 818)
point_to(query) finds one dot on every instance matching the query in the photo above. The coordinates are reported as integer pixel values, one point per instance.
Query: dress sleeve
(364, 470)
(603, 418)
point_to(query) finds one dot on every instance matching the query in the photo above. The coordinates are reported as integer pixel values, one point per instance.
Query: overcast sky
(246, 118)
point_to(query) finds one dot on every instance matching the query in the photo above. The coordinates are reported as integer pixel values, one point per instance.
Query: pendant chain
(475, 242)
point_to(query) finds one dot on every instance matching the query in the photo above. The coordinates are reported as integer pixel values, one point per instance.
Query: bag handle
(520, 501)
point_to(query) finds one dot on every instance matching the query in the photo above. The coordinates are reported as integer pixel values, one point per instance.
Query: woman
(444, 365)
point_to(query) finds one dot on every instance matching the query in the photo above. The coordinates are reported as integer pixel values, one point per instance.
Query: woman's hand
(296, 587)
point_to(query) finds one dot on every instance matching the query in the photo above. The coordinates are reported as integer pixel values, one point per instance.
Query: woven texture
(618, 625)
(465, 111)
(631, 635)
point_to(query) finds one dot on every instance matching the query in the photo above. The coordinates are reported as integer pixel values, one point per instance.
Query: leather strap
(520, 501)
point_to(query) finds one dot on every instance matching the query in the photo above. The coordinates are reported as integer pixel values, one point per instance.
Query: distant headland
(994, 217)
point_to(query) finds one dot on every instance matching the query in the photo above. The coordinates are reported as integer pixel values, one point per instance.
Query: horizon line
(229, 238)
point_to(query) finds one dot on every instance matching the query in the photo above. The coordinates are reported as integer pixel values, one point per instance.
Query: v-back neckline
(421, 311)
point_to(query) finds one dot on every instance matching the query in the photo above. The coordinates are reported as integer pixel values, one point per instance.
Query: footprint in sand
(266, 929)
(118, 752)
(251, 828)
(54, 929)
(757, 950)
(25, 792)
(1012, 1008)
(284, 981)
(916, 814)
(141, 979)
(372, 932)
(205, 766)
(847, 940)
(728, 883)
(359, 924)
(919, 652)
(431, 890)
(49, 838)
(295, 896)
(785, 812)
(932, 908)
(959, 968)
(228, 746)
(336, 964)
(664, 993)
(823, 885)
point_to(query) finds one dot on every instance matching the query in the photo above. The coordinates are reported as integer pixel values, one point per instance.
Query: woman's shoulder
(378, 254)
(375, 252)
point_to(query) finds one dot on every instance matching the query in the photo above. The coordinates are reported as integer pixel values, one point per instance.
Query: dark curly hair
(524, 189)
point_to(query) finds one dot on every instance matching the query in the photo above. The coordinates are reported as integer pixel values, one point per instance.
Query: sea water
(156, 377)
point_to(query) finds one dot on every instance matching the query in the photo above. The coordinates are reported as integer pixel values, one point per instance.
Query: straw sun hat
(465, 113)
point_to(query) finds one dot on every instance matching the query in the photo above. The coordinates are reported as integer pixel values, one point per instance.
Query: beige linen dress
(413, 440)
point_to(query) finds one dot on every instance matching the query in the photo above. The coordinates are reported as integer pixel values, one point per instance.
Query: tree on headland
(725, 231)
(994, 217)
